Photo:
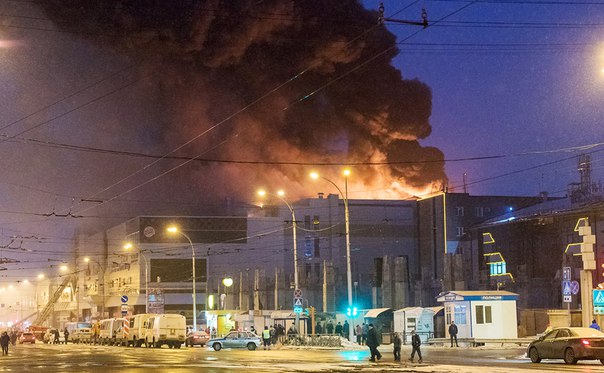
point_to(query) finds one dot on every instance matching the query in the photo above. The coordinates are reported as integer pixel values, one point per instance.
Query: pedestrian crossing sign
(598, 298)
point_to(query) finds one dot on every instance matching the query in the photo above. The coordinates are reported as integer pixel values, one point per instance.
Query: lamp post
(346, 173)
(174, 229)
(128, 246)
(227, 282)
(280, 194)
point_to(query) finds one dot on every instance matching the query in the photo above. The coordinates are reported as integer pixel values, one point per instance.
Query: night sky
(87, 90)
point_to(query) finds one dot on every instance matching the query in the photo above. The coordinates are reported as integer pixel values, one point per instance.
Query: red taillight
(585, 342)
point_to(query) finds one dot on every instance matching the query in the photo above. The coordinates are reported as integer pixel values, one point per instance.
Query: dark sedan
(570, 344)
(199, 338)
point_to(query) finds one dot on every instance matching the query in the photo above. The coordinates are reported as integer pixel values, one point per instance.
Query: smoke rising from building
(204, 61)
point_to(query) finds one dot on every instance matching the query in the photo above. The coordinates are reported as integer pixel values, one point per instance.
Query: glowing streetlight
(281, 195)
(128, 246)
(40, 276)
(63, 268)
(174, 229)
(346, 173)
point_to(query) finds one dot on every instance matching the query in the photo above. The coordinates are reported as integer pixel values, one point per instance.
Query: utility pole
(423, 22)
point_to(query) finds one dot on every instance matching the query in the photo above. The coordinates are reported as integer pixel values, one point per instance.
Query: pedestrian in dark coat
(329, 327)
(364, 335)
(56, 341)
(415, 343)
(318, 328)
(373, 343)
(396, 343)
(453, 333)
(339, 329)
(4, 342)
(66, 334)
(346, 329)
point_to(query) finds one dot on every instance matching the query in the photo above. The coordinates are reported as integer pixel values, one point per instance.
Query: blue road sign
(566, 289)
(598, 298)
(124, 299)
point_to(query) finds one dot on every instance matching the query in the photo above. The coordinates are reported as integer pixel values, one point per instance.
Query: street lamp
(227, 282)
(128, 246)
(346, 173)
(174, 229)
(280, 194)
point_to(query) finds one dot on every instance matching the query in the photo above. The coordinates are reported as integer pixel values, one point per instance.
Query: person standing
(415, 343)
(346, 329)
(318, 328)
(453, 333)
(329, 328)
(359, 333)
(396, 343)
(339, 329)
(594, 325)
(365, 331)
(266, 338)
(373, 343)
(4, 341)
(66, 334)
(56, 341)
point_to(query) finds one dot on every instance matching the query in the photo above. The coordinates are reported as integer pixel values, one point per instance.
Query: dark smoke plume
(204, 60)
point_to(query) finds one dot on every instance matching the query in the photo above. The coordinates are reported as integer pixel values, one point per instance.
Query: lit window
(483, 315)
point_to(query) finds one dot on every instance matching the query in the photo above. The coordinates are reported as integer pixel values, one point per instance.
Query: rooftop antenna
(465, 183)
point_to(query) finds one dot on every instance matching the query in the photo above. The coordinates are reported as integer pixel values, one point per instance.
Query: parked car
(27, 337)
(199, 338)
(236, 340)
(571, 344)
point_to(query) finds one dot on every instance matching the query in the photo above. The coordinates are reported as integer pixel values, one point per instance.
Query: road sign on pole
(566, 273)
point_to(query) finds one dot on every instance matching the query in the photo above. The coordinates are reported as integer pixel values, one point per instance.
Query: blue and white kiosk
(481, 314)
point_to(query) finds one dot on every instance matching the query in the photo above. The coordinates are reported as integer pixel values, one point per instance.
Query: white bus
(165, 329)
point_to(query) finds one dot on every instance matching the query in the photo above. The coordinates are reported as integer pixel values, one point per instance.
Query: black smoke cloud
(205, 60)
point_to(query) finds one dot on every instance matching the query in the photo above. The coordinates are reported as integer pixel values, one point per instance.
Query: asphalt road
(86, 358)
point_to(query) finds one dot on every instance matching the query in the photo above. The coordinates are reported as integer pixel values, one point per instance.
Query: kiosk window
(460, 314)
(483, 315)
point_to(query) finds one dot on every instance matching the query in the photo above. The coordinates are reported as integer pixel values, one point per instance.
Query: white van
(79, 331)
(165, 329)
(112, 331)
(137, 328)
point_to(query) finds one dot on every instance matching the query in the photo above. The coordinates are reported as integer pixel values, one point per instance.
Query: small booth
(382, 320)
(414, 318)
(481, 314)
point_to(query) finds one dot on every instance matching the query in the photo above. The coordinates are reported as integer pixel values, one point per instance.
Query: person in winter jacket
(415, 343)
(4, 342)
(396, 343)
(373, 343)
(453, 333)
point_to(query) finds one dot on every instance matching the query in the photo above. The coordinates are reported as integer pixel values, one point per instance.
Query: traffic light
(352, 311)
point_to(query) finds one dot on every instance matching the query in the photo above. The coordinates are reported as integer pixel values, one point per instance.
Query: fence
(314, 340)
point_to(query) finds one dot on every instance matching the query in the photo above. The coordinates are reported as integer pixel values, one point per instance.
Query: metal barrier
(314, 340)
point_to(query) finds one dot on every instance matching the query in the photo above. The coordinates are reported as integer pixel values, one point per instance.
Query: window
(307, 221)
(460, 231)
(459, 211)
(498, 268)
(483, 315)
(317, 248)
(479, 211)
(316, 222)
(460, 314)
